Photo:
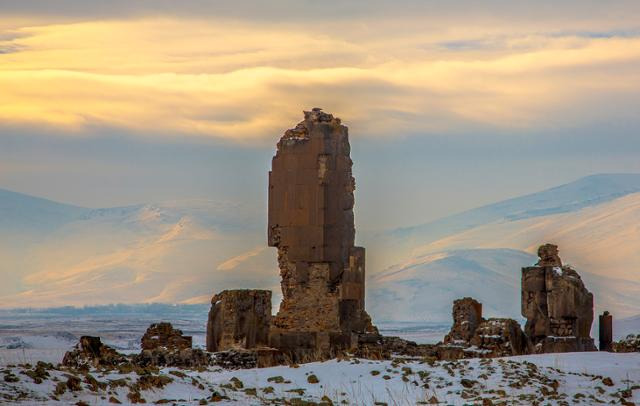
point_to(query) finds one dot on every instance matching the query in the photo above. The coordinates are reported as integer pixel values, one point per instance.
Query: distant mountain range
(479, 253)
(54, 254)
(181, 252)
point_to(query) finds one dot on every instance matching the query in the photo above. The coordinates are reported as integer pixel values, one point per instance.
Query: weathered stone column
(311, 224)
(606, 332)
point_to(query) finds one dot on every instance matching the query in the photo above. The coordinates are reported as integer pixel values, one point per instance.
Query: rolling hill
(479, 253)
(181, 252)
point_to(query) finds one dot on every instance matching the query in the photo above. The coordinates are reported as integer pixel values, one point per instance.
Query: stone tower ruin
(311, 223)
(557, 305)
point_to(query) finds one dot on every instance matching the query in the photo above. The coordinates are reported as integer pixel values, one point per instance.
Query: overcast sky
(449, 106)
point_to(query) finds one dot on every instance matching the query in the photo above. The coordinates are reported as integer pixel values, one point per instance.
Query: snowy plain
(554, 379)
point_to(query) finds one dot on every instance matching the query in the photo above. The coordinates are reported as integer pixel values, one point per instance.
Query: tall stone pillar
(606, 332)
(311, 223)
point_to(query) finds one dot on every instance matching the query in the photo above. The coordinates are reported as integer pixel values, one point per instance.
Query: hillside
(181, 252)
(164, 252)
(424, 288)
(397, 245)
(479, 253)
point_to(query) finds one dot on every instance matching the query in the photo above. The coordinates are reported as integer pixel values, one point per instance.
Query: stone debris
(557, 305)
(162, 345)
(631, 343)
(472, 336)
(163, 335)
(239, 319)
(176, 357)
(246, 359)
(378, 347)
(90, 352)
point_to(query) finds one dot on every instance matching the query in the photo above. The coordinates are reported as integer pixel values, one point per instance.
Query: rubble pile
(162, 345)
(90, 352)
(630, 343)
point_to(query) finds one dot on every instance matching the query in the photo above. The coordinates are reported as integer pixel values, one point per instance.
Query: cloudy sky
(450, 105)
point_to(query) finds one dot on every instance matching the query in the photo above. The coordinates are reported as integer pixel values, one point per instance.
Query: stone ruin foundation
(163, 335)
(473, 336)
(162, 345)
(557, 305)
(91, 352)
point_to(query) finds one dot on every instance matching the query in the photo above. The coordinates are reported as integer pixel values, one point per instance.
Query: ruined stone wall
(163, 335)
(239, 319)
(557, 305)
(311, 223)
(467, 316)
(473, 336)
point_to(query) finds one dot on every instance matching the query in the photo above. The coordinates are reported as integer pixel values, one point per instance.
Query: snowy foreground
(576, 378)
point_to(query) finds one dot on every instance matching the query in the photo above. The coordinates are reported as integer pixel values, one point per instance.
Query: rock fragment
(90, 352)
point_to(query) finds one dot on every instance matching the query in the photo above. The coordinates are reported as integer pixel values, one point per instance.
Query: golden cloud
(245, 81)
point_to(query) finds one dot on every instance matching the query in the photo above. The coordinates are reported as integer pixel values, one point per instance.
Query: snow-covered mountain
(54, 254)
(423, 288)
(396, 245)
(22, 213)
(479, 253)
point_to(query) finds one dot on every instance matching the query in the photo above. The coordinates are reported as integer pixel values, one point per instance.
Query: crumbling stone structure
(163, 335)
(557, 305)
(239, 319)
(467, 316)
(311, 224)
(605, 332)
(500, 338)
(472, 336)
(163, 345)
(91, 352)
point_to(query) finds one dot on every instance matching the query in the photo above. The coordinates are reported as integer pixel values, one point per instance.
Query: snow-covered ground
(575, 378)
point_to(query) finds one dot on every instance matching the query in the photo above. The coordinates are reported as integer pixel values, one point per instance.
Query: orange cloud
(241, 81)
